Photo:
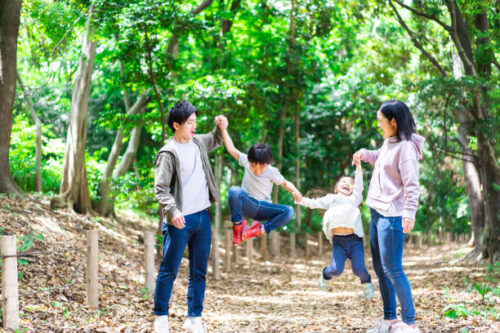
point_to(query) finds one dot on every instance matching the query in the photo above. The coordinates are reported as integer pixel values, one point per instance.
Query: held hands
(297, 196)
(408, 224)
(178, 221)
(222, 122)
(356, 158)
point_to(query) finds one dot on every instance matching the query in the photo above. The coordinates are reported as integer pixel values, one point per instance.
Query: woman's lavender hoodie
(395, 176)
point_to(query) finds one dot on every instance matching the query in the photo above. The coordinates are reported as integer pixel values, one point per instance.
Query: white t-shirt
(341, 210)
(259, 187)
(195, 195)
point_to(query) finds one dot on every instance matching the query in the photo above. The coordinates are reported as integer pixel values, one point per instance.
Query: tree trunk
(10, 12)
(38, 125)
(130, 153)
(274, 239)
(105, 204)
(74, 191)
(472, 181)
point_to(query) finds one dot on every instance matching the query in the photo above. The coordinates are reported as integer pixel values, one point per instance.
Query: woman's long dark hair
(398, 110)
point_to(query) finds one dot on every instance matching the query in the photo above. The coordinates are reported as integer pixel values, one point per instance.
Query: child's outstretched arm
(318, 203)
(228, 142)
(358, 183)
(292, 189)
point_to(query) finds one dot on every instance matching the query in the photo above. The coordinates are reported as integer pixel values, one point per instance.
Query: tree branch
(495, 62)
(417, 43)
(429, 16)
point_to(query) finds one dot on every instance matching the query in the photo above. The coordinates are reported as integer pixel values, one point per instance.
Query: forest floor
(280, 295)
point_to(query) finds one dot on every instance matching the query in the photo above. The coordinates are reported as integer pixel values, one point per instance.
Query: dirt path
(278, 296)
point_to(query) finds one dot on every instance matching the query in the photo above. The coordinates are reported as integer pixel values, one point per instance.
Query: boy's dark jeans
(387, 240)
(350, 246)
(197, 235)
(241, 204)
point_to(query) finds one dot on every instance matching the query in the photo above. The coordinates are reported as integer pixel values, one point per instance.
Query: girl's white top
(341, 210)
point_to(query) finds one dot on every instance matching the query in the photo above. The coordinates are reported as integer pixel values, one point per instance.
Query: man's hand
(408, 224)
(222, 122)
(178, 221)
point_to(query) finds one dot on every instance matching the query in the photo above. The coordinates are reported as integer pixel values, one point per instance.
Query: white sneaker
(404, 328)
(161, 324)
(382, 326)
(367, 290)
(323, 284)
(194, 325)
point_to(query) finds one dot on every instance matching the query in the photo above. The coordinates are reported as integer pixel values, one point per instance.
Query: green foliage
(483, 289)
(331, 68)
(456, 310)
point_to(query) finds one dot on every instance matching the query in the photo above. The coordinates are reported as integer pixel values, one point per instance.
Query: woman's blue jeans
(197, 235)
(387, 240)
(350, 246)
(241, 204)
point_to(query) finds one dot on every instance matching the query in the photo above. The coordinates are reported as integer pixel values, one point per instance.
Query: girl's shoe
(161, 324)
(323, 283)
(367, 290)
(404, 328)
(194, 325)
(382, 326)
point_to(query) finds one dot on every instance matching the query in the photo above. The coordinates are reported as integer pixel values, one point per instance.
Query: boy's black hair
(260, 153)
(180, 113)
(401, 112)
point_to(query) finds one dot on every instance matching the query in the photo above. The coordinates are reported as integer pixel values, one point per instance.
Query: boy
(253, 198)
(185, 188)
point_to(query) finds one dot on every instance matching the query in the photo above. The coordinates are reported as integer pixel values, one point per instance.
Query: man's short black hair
(260, 153)
(180, 113)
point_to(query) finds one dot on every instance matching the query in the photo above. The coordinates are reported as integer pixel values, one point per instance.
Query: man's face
(187, 130)
(257, 168)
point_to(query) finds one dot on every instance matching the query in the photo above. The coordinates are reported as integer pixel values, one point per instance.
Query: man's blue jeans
(197, 235)
(241, 204)
(350, 246)
(387, 240)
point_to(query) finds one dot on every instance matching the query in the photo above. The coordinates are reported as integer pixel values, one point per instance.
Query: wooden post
(149, 260)
(275, 244)
(308, 248)
(10, 288)
(249, 247)
(320, 244)
(92, 269)
(229, 244)
(216, 255)
(292, 245)
(263, 247)
(236, 255)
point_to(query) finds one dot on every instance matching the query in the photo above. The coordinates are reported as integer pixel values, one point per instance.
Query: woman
(393, 199)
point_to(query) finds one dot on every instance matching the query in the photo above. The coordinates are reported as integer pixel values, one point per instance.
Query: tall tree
(471, 39)
(10, 12)
(74, 189)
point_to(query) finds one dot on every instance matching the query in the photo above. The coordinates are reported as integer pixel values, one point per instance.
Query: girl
(393, 199)
(342, 226)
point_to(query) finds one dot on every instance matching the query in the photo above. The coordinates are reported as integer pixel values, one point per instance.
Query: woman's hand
(178, 221)
(408, 224)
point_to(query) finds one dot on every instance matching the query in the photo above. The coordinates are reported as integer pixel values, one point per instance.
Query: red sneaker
(253, 231)
(237, 231)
